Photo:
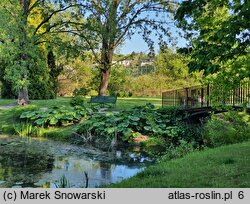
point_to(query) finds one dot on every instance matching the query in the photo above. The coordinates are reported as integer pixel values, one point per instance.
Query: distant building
(146, 62)
(125, 63)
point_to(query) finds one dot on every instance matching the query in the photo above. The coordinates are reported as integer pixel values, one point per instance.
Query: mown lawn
(4, 102)
(222, 167)
(39, 103)
(122, 103)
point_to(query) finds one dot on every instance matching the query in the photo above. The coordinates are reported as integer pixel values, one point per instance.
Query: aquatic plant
(65, 183)
(23, 129)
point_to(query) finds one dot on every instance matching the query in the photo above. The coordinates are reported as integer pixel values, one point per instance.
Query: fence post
(208, 94)
(202, 96)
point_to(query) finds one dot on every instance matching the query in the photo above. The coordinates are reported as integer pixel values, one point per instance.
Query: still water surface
(42, 163)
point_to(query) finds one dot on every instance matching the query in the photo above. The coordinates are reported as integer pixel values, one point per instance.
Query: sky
(137, 44)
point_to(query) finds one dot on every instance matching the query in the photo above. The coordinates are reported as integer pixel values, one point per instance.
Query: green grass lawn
(121, 104)
(124, 103)
(4, 102)
(39, 103)
(222, 167)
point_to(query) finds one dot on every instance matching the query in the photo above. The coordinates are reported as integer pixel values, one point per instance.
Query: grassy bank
(222, 167)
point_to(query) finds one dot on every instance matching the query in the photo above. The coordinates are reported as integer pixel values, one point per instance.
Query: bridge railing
(203, 96)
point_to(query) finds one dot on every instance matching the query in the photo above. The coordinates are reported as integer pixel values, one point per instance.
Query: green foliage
(55, 116)
(25, 46)
(63, 183)
(113, 26)
(123, 94)
(29, 130)
(168, 68)
(24, 129)
(214, 20)
(154, 141)
(77, 101)
(54, 71)
(171, 64)
(78, 76)
(81, 91)
(227, 128)
(177, 151)
(119, 82)
(163, 123)
(224, 59)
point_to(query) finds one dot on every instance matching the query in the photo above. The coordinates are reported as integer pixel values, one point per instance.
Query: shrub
(92, 93)
(226, 128)
(174, 152)
(123, 94)
(80, 92)
(77, 101)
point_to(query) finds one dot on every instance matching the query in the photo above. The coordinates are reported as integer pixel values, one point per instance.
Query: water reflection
(42, 163)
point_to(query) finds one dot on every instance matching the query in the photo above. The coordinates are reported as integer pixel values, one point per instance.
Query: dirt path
(8, 106)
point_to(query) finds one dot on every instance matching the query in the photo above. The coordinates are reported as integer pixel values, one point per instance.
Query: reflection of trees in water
(132, 157)
(105, 169)
(29, 163)
(20, 163)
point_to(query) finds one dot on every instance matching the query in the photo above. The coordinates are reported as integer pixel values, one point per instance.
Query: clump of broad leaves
(164, 123)
(54, 116)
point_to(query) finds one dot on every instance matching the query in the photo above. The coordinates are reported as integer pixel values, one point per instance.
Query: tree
(120, 81)
(109, 23)
(173, 66)
(217, 31)
(78, 74)
(19, 39)
(26, 39)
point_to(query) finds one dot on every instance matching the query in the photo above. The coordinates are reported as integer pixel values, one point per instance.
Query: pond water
(43, 163)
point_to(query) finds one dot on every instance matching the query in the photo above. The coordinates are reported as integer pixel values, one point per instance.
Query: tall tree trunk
(23, 97)
(108, 45)
(107, 55)
(105, 74)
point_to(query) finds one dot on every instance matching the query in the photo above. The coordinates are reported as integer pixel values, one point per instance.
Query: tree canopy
(27, 45)
(108, 23)
(217, 31)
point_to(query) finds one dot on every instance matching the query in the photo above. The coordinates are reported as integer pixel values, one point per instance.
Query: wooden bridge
(198, 99)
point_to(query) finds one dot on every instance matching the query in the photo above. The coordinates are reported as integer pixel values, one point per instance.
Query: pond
(26, 162)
